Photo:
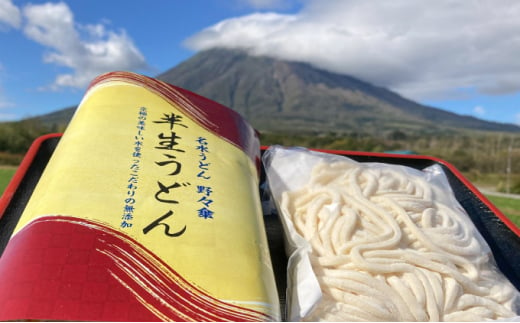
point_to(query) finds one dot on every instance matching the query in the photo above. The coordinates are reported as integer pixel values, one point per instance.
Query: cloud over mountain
(425, 51)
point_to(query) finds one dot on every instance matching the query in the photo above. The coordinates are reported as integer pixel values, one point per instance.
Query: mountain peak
(274, 95)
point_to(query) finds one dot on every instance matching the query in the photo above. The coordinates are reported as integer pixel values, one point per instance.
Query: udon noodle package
(381, 242)
(148, 210)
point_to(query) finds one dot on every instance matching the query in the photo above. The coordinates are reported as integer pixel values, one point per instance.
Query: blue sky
(459, 56)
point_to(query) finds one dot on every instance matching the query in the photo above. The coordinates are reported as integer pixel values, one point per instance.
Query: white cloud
(88, 50)
(422, 49)
(250, 30)
(479, 110)
(517, 119)
(9, 14)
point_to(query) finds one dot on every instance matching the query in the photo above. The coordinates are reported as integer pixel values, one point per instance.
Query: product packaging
(380, 242)
(148, 210)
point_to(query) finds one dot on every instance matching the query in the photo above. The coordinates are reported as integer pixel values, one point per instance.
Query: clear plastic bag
(374, 241)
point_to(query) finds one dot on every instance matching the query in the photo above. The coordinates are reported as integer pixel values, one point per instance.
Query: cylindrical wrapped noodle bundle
(148, 210)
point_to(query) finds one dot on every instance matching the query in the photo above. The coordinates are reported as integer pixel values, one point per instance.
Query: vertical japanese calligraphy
(203, 173)
(133, 179)
(169, 144)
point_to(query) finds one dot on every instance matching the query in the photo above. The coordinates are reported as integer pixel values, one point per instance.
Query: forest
(490, 159)
(16, 138)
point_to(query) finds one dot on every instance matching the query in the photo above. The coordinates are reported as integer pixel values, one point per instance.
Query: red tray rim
(22, 169)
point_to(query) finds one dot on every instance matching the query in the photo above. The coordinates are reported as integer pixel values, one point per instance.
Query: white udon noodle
(386, 246)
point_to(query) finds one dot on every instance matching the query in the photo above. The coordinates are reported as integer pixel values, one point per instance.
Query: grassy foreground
(510, 207)
(6, 173)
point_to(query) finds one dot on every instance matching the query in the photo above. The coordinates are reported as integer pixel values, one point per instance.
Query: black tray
(500, 233)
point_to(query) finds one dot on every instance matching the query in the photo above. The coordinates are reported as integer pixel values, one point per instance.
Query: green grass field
(510, 207)
(6, 173)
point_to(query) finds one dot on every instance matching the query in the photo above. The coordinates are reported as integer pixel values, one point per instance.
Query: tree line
(485, 157)
(482, 156)
(17, 137)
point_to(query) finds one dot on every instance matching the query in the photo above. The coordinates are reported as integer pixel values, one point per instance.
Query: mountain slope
(57, 119)
(276, 95)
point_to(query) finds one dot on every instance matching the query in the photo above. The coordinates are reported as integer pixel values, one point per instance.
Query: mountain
(277, 95)
(57, 119)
